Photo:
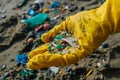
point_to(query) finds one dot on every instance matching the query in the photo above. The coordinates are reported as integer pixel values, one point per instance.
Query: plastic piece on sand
(22, 58)
(54, 69)
(36, 20)
(31, 12)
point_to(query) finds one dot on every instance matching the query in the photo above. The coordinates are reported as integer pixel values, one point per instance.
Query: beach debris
(36, 6)
(62, 42)
(56, 17)
(99, 65)
(21, 58)
(72, 7)
(22, 3)
(89, 71)
(105, 45)
(3, 16)
(7, 74)
(31, 12)
(3, 67)
(41, 29)
(54, 5)
(70, 72)
(54, 69)
(23, 17)
(28, 74)
(36, 20)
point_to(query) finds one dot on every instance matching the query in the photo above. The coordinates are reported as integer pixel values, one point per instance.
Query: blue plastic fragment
(55, 4)
(22, 58)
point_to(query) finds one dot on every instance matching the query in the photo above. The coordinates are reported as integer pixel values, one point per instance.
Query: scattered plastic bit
(3, 67)
(22, 58)
(31, 12)
(3, 16)
(36, 20)
(88, 73)
(99, 65)
(7, 74)
(28, 74)
(54, 69)
(22, 3)
(62, 42)
(56, 17)
(55, 4)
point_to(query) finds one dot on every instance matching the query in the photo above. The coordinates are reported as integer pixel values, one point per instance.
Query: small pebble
(12, 60)
(105, 45)
(7, 74)
(99, 65)
(3, 11)
(106, 65)
(3, 67)
(3, 16)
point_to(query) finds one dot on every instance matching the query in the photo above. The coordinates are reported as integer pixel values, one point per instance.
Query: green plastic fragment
(36, 20)
(59, 46)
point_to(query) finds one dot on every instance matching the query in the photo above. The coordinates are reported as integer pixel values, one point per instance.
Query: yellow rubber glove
(90, 27)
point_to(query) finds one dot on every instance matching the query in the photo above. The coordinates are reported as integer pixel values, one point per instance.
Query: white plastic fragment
(56, 17)
(37, 1)
(69, 42)
(54, 69)
(99, 64)
(3, 16)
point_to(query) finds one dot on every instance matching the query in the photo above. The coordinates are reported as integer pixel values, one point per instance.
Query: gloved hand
(91, 28)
